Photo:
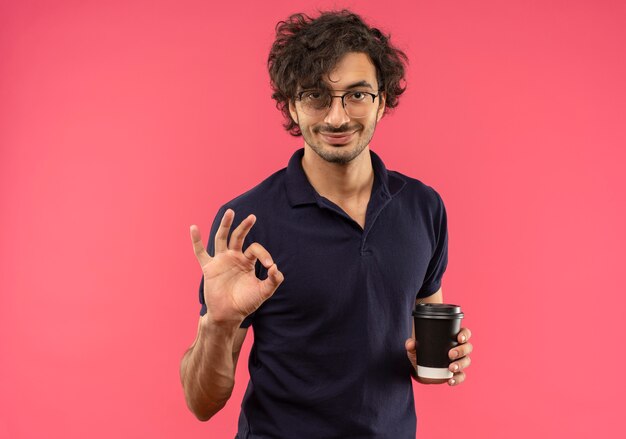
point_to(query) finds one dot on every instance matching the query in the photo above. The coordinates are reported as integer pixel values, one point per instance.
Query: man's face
(353, 68)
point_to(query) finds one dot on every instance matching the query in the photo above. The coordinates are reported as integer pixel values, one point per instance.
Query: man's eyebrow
(360, 84)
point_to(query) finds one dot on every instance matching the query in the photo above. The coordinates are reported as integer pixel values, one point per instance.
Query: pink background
(124, 122)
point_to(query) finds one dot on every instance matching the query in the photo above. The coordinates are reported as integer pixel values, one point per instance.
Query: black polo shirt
(328, 358)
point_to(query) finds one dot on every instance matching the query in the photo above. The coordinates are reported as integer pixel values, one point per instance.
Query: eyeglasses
(356, 103)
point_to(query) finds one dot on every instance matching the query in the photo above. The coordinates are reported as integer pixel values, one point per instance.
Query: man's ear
(292, 111)
(382, 97)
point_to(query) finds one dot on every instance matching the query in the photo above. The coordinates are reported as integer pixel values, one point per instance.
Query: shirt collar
(300, 191)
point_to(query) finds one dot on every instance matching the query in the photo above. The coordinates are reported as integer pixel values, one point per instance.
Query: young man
(357, 246)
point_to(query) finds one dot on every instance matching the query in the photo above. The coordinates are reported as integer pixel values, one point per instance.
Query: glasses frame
(343, 102)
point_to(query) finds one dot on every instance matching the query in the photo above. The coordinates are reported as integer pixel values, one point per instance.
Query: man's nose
(336, 115)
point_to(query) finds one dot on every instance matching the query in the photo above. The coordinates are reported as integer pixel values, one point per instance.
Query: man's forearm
(207, 370)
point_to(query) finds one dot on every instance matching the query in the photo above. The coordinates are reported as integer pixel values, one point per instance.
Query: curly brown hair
(306, 49)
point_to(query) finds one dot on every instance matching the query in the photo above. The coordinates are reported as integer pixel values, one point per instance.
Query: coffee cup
(437, 326)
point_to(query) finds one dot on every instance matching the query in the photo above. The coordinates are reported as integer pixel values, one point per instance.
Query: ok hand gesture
(231, 289)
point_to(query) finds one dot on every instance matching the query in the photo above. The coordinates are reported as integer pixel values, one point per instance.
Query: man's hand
(459, 354)
(231, 289)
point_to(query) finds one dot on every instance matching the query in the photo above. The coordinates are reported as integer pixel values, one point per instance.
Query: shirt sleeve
(439, 259)
(210, 248)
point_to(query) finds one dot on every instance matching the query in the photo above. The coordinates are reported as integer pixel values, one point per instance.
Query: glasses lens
(358, 104)
(315, 102)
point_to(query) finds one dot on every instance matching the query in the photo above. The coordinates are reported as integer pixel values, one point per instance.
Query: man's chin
(341, 154)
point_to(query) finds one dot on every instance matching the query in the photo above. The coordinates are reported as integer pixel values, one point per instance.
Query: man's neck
(349, 183)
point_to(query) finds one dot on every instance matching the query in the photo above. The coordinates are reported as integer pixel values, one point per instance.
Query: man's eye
(313, 95)
(357, 96)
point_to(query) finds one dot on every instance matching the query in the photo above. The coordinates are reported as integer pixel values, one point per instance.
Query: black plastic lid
(438, 311)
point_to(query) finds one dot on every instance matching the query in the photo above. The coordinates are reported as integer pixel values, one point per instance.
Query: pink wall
(122, 123)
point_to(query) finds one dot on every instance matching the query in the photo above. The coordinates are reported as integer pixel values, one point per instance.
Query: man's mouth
(337, 138)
